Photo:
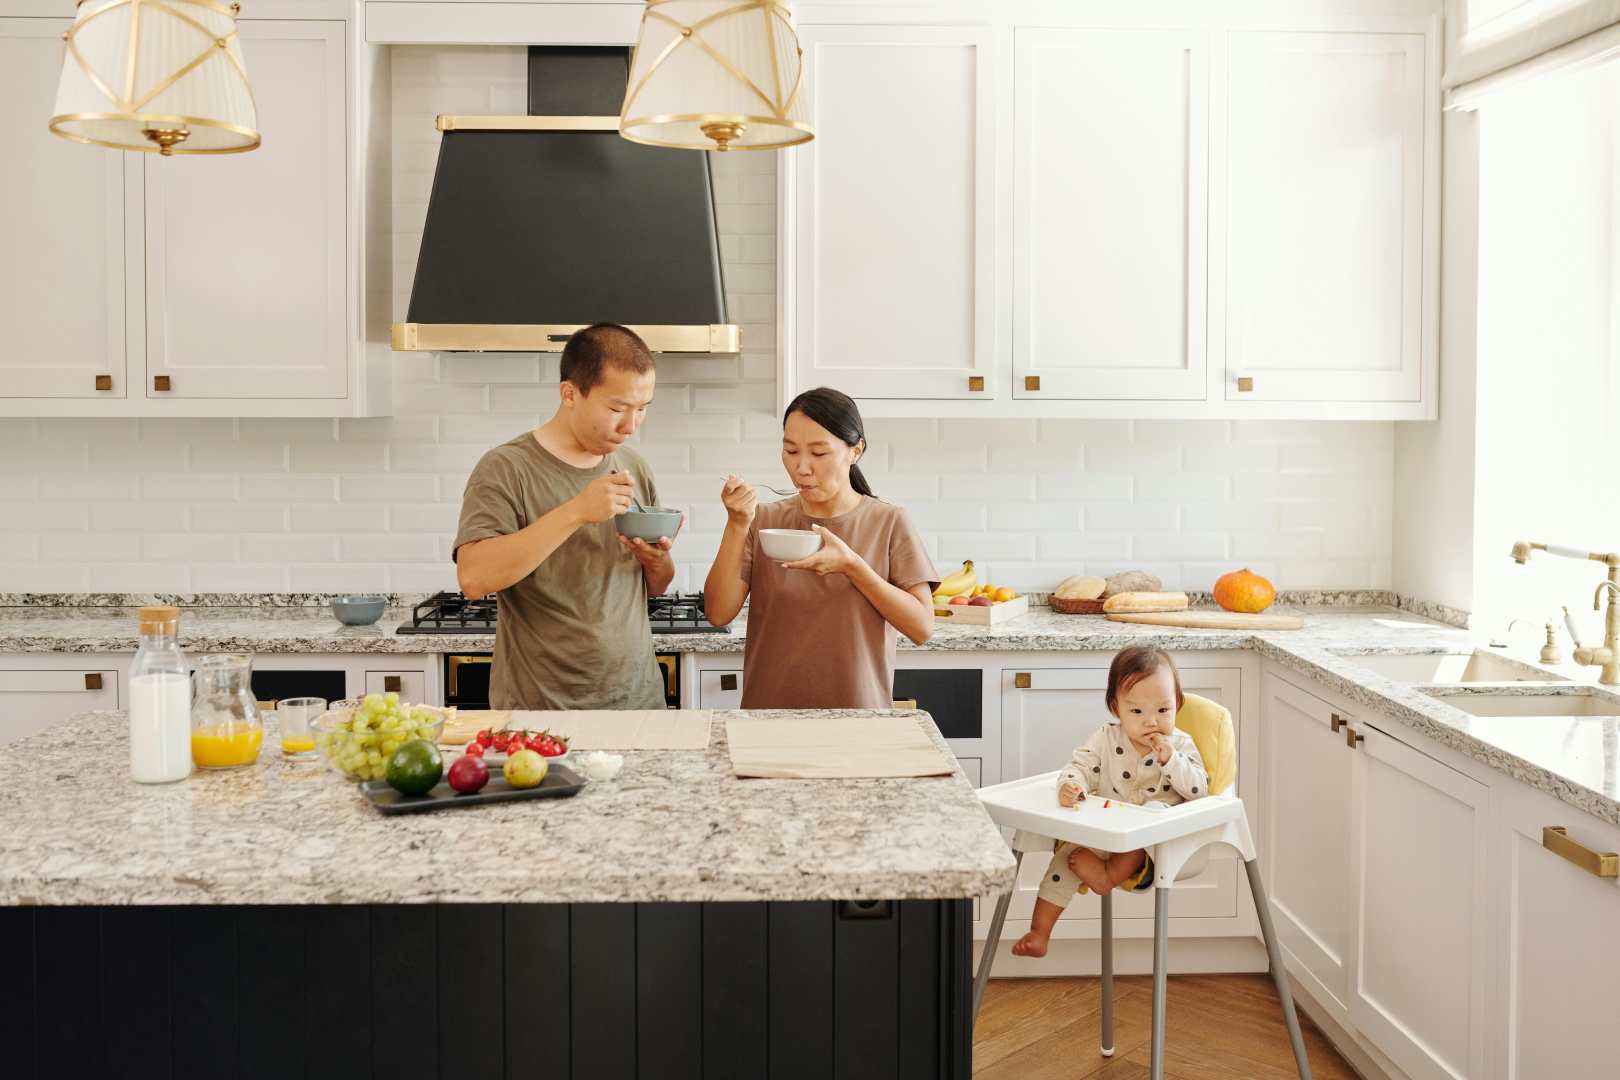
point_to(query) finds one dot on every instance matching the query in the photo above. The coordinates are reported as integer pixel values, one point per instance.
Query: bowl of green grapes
(357, 742)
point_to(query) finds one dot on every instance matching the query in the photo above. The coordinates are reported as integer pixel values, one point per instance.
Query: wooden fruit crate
(994, 615)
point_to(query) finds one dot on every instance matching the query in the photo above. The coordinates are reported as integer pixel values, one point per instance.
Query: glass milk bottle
(159, 701)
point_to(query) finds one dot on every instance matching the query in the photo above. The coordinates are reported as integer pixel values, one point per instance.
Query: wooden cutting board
(832, 748)
(1210, 620)
(626, 729)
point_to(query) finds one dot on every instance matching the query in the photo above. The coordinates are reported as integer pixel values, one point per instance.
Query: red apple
(468, 774)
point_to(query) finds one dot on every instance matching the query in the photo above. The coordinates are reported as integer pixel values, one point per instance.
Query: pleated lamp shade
(156, 75)
(716, 75)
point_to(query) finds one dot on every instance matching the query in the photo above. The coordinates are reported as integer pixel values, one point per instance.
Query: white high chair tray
(1031, 804)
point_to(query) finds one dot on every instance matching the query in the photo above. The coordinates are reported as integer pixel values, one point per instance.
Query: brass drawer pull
(391, 684)
(975, 382)
(92, 680)
(1021, 680)
(1351, 738)
(905, 703)
(1336, 723)
(1032, 382)
(728, 682)
(103, 382)
(1556, 839)
(1245, 385)
(160, 382)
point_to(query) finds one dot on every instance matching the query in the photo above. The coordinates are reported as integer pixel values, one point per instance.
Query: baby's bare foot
(1031, 944)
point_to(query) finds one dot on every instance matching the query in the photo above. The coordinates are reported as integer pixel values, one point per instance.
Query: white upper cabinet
(1206, 211)
(892, 238)
(246, 271)
(65, 233)
(205, 285)
(1111, 173)
(1328, 200)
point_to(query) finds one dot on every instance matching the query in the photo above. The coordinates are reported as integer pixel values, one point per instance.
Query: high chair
(1178, 839)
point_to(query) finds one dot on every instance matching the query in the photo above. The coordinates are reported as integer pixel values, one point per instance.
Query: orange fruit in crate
(1003, 594)
(1245, 591)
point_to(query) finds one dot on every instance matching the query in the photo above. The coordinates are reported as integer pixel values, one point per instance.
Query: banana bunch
(960, 583)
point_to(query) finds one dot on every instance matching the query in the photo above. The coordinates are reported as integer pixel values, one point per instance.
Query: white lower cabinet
(1420, 885)
(45, 691)
(1046, 713)
(1377, 862)
(1557, 979)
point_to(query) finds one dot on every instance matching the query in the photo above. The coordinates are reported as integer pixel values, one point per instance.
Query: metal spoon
(634, 502)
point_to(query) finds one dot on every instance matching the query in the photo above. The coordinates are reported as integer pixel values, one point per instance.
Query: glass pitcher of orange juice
(226, 730)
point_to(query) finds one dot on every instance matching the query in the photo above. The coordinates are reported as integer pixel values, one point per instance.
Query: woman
(821, 630)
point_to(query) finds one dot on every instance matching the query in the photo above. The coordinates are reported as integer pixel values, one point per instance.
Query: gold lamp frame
(166, 133)
(723, 129)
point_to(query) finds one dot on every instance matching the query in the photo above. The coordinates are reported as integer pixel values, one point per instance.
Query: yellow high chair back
(1210, 725)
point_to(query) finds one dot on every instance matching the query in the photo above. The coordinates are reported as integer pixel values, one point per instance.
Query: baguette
(1145, 601)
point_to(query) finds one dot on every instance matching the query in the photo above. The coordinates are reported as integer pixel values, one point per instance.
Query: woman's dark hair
(835, 411)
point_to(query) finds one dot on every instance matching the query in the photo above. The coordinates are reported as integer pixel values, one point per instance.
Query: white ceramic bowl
(789, 544)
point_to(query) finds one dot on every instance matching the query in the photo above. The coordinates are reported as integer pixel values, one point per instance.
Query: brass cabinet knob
(1032, 382)
(1351, 738)
(975, 382)
(1021, 680)
(1336, 723)
(160, 382)
(103, 382)
(728, 682)
(92, 680)
(391, 684)
(1245, 384)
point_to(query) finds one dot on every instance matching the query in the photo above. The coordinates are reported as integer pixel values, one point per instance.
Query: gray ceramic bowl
(650, 523)
(358, 610)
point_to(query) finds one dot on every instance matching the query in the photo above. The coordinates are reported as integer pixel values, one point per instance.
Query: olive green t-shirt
(574, 634)
(816, 642)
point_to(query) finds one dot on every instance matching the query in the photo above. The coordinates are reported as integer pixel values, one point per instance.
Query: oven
(466, 679)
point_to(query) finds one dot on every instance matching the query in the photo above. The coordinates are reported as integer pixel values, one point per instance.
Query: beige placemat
(603, 729)
(817, 748)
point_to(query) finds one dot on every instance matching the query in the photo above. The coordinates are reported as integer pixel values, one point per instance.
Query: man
(537, 527)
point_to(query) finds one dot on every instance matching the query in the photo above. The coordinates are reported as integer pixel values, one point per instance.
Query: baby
(1137, 757)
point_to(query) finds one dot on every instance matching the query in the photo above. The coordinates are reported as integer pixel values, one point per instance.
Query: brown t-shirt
(574, 634)
(815, 642)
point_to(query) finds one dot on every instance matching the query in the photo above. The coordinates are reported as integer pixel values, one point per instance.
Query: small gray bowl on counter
(358, 610)
(649, 523)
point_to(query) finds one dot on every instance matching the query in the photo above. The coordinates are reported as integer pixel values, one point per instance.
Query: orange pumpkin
(1244, 590)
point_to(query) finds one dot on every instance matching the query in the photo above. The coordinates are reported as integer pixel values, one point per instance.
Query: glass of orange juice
(226, 731)
(295, 719)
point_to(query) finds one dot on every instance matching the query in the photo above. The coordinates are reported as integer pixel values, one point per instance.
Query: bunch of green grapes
(361, 745)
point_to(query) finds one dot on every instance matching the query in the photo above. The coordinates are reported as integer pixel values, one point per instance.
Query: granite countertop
(1575, 759)
(672, 826)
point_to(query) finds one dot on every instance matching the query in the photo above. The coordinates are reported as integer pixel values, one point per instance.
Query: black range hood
(541, 224)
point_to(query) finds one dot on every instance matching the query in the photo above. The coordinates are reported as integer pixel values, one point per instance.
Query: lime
(415, 767)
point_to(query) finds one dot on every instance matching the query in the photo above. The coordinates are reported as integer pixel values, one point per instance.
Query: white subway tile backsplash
(220, 505)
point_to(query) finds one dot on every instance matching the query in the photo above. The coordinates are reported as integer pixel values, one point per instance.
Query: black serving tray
(560, 782)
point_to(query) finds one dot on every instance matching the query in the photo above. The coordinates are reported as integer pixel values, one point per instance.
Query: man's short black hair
(591, 350)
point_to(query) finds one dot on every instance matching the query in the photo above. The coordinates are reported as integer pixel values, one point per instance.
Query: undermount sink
(1457, 667)
(1574, 701)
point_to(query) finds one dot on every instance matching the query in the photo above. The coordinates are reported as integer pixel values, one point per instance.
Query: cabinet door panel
(1111, 169)
(1325, 232)
(1419, 867)
(62, 234)
(32, 701)
(894, 232)
(1307, 825)
(246, 253)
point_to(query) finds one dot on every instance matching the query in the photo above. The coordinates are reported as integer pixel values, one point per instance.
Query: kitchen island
(672, 921)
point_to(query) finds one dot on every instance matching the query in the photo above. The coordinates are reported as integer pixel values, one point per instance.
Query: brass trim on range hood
(492, 337)
(452, 122)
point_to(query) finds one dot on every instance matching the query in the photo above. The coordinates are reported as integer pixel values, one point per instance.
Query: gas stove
(452, 613)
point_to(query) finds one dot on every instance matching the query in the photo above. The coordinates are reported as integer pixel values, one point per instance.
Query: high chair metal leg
(1161, 965)
(1279, 974)
(993, 939)
(1107, 975)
